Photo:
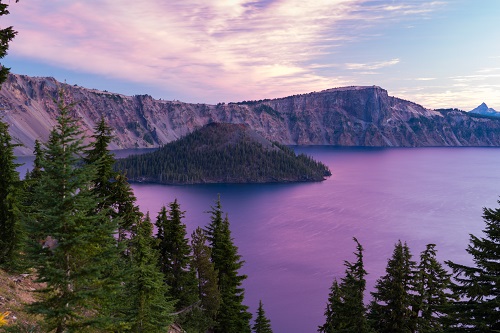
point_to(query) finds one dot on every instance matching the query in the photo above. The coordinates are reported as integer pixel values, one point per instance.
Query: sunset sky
(443, 53)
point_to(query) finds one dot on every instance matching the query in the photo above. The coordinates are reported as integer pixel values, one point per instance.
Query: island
(222, 153)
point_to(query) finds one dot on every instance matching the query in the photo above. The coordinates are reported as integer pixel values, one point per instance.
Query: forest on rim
(74, 222)
(218, 152)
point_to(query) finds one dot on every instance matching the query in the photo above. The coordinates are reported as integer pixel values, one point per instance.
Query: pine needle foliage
(11, 230)
(71, 240)
(478, 286)
(262, 323)
(233, 315)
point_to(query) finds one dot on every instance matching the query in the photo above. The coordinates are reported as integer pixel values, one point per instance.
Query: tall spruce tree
(262, 323)
(148, 307)
(433, 295)
(72, 243)
(391, 309)
(103, 160)
(233, 316)
(478, 286)
(208, 290)
(175, 255)
(345, 311)
(333, 317)
(6, 36)
(11, 231)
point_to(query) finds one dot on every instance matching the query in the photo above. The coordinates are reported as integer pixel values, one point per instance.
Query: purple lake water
(294, 238)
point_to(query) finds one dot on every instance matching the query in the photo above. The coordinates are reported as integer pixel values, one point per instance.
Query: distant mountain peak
(484, 110)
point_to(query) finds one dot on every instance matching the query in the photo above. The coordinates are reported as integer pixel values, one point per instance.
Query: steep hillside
(222, 153)
(350, 116)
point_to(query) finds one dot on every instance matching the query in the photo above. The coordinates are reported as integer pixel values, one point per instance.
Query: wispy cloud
(210, 48)
(372, 65)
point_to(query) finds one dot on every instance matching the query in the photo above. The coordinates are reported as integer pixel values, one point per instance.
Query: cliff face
(351, 116)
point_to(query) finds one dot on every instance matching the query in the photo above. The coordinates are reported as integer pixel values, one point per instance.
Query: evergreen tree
(432, 292)
(391, 308)
(175, 255)
(262, 323)
(127, 213)
(233, 316)
(6, 36)
(478, 286)
(208, 290)
(345, 310)
(72, 244)
(11, 230)
(103, 160)
(149, 308)
(334, 319)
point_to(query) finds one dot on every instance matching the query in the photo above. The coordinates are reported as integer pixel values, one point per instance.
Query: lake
(294, 238)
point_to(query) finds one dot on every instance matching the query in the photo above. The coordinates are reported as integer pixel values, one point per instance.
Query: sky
(438, 53)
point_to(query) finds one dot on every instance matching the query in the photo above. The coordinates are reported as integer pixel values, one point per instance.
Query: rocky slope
(350, 116)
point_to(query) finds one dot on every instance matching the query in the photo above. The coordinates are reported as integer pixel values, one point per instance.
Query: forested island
(222, 153)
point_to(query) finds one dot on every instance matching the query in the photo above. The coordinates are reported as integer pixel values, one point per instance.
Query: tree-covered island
(222, 153)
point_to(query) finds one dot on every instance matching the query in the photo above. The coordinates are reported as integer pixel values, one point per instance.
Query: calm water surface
(295, 237)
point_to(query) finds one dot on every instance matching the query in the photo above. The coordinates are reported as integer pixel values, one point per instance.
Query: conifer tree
(102, 159)
(175, 255)
(149, 309)
(127, 213)
(72, 243)
(262, 323)
(478, 286)
(11, 231)
(432, 292)
(345, 310)
(6, 36)
(334, 320)
(208, 290)
(391, 308)
(233, 315)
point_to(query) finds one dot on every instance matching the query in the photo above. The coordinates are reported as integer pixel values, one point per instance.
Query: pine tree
(262, 323)
(478, 286)
(11, 230)
(149, 309)
(334, 319)
(6, 36)
(175, 255)
(72, 244)
(127, 213)
(432, 292)
(208, 290)
(345, 310)
(103, 160)
(233, 316)
(391, 308)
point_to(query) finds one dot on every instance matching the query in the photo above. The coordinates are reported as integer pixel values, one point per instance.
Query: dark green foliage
(148, 310)
(262, 323)
(233, 315)
(208, 290)
(432, 292)
(126, 212)
(11, 231)
(478, 286)
(6, 36)
(175, 259)
(72, 246)
(175, 255)
(102, 159)
(229, 153)
(391, 308)
(345, 310)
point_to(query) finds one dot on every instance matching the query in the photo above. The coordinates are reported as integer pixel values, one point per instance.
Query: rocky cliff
(350, 116)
